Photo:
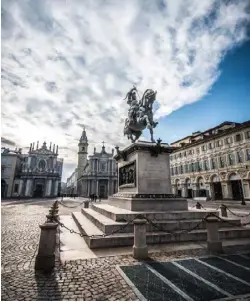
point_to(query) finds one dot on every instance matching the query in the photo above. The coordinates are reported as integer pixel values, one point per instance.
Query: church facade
(36, 174)
(96, 174)
(41, 172)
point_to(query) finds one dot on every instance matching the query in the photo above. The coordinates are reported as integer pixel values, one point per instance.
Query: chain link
(93, 236)
(64, 205)
(231, 223)
(237, 215)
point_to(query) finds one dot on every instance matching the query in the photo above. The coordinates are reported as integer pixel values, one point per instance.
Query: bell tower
(82, 152)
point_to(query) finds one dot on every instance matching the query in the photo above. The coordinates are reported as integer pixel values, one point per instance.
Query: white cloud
(70, 63)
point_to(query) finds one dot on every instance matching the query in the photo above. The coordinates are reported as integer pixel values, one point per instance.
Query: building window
(203, 148)
(240, 157)
(206, 165)
(248, 154)
(185, 154)
(229, 140)
(186, 168)
(191, 167)
(198, 150)
(181, 169)
(180, 155)
(231, 159)
(210, 146)
(222, 162)
(176, 170)
(219, 143)
(248, 134)
(213, 163)
(83, 148)
(238, 137)
(196, 166)
(172, 171)
(16, 188)
(42, 165)
(199, 166)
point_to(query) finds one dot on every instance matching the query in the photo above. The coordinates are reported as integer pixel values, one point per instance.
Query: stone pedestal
(45, 259)
(140, 249)
(223, 210)
(214, 244)
(144, 182)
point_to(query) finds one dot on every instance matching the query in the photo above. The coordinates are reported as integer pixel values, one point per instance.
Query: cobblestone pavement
(91, 279)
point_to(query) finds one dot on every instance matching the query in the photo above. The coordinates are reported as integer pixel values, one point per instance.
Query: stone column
(245, 187)
(28, 188)
(20, 187)
(97, 187)
(140, 249)
(174, 189)
(48, 187)
(56, 188)
(226, 190)
(211, 191)
(184, 191)
(29, 162)
(88, 191)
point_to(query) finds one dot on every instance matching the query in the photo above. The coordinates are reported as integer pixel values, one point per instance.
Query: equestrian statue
(140, 114)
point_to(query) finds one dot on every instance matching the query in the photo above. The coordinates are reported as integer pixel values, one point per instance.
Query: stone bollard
(86, 204)
(223, 210)
(214, 245)
(45, 259)
(198, 206)
(140, 249)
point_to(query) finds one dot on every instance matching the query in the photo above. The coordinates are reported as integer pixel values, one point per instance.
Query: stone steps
(121, 215)
(107, 225)
(127, 239)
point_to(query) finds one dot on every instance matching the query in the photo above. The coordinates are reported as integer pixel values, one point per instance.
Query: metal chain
(158, 227)
(64, 205)
(231, 223)
(242, 216)
(176, 232)
(103, 235)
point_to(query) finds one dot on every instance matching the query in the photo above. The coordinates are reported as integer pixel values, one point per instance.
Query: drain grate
(210, 278)
(150, 286)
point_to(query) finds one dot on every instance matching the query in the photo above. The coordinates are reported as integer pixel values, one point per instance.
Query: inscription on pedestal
(127, 174)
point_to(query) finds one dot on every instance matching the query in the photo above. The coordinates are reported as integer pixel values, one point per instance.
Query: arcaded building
(214, 163)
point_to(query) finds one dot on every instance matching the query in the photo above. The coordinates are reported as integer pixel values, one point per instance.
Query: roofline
(220, 125)
(215, 136)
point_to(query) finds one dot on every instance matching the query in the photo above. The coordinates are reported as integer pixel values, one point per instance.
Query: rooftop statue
(140, 114)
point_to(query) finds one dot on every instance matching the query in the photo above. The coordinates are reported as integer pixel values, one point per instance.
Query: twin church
(95, 174)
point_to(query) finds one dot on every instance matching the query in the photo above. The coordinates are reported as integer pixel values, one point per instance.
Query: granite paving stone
(85, 279)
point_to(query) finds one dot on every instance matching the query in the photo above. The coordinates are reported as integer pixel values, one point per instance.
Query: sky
(69, 64)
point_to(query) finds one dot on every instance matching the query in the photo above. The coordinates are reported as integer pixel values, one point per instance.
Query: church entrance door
(102, 191)
(38, 191)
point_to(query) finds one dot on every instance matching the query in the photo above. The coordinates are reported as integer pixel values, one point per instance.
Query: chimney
(50, 146)
(33, 146)
(30, 146)
(113, 151)
(54, 148)
(57, 149)
(37, 145)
